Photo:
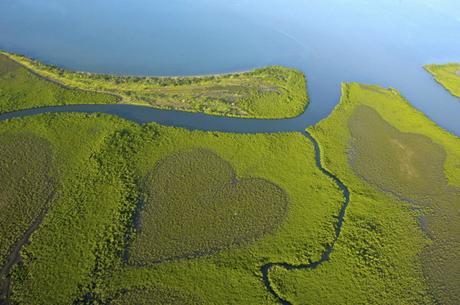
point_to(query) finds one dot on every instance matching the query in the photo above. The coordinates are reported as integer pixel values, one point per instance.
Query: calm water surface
(380, 42)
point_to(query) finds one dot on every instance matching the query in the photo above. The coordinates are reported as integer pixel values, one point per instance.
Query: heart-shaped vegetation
(194, 205)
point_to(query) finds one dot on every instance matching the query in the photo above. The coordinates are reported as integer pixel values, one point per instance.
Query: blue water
(380, 42)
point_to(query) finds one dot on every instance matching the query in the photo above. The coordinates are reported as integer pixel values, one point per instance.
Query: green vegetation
(195, 205)
(71, 245)
(155, 296)
(416, 175)
(22, 89)
(403, 172)
(271, 92)
(448, 75)
(26, 184)
(265, 207)
(147, 214)
(106, 164)
(26, 190)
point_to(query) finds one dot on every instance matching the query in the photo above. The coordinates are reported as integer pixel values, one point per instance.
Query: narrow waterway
(265, 269)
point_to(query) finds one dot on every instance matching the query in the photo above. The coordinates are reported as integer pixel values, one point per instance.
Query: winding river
(384, 42)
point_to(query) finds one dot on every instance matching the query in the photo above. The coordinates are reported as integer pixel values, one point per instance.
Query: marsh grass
(232, 274)
(22, 89)
(411, 167)
(195, 205)
(27, 187)
(270, 92)
(84, 228)
(156, 295)
(27, 184)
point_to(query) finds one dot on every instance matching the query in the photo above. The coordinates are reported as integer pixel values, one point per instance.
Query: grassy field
(448, 75)
(400, 238)
(270, 92)
(22, 89)
(105, 166)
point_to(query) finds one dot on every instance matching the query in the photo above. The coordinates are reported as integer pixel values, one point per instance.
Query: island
(270, 93)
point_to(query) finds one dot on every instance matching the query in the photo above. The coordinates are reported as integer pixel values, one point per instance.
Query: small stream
(265, 269)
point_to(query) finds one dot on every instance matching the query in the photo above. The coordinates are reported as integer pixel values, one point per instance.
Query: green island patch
(195, 205)
(448, 75)
(399, 241)
(270, 92)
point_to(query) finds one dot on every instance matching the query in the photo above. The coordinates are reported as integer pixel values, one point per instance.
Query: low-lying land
(271, 92)
(400, 239)
(88, 207)
(79, 253)
(448, 75)
(148, 214)
(415, 174)
(26, 191)
(156, 295)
